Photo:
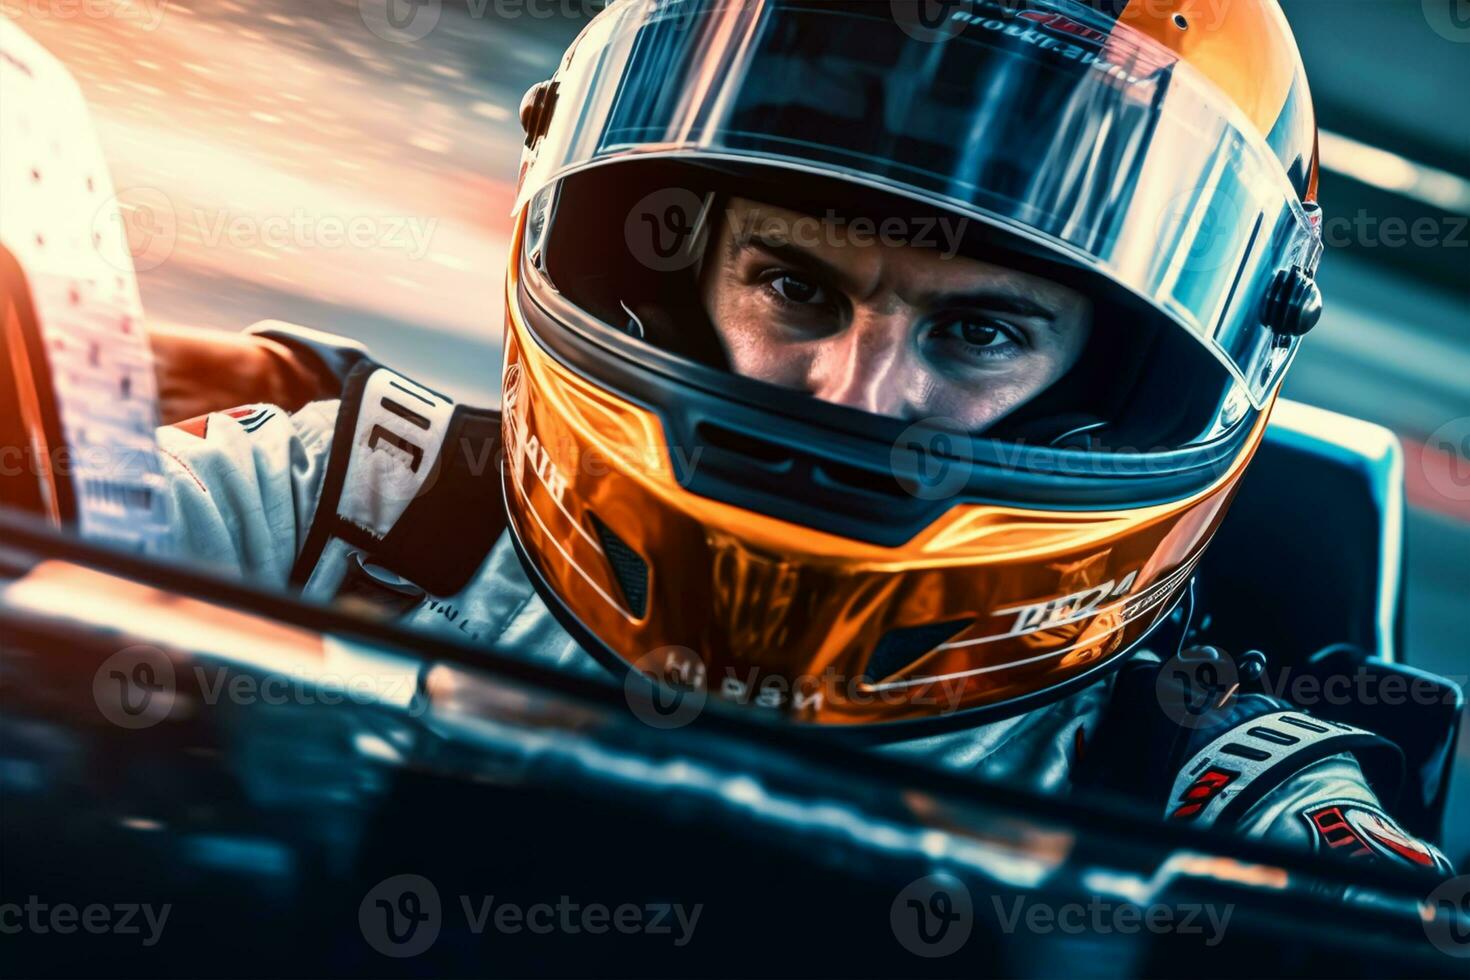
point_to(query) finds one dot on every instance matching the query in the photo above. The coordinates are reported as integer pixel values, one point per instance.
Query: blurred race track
(246, 140)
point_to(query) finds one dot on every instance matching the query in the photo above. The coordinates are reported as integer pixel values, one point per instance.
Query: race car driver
(878, 373)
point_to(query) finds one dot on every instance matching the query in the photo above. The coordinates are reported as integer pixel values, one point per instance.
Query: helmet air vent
(628, 568)
(902, 646)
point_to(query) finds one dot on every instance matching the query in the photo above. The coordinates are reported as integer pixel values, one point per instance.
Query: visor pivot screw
(537, 106)
(1293, 303)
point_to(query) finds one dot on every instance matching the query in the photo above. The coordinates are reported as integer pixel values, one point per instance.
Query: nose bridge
(857, 365)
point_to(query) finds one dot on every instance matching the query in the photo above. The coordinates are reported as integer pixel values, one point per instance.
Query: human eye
(978, 336)
(794, 290)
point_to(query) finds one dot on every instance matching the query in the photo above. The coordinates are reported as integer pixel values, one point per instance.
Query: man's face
(897, 330)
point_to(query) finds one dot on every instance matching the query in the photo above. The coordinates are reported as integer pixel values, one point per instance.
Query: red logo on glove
(1361, 832)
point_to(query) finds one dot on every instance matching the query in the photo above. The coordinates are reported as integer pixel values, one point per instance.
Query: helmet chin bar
(1165, 637)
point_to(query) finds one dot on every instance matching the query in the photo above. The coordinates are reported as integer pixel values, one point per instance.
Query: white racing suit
(296, 501)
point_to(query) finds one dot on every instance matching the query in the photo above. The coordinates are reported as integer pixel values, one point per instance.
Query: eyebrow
(990, 299)
(791, 254)
(999, 301)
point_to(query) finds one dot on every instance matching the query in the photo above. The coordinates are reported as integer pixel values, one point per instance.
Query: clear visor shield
(1042, 117)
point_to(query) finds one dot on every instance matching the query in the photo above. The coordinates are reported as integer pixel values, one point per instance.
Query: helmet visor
(1045, 119)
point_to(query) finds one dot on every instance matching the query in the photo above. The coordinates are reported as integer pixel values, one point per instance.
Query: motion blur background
(240, 135)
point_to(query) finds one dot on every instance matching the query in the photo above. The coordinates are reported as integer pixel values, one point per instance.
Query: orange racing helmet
(845, 566)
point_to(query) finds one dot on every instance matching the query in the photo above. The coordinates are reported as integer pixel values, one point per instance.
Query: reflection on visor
(1042, 117)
